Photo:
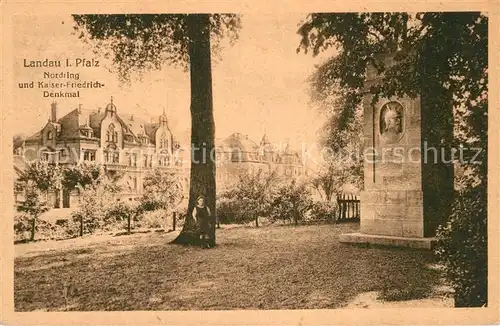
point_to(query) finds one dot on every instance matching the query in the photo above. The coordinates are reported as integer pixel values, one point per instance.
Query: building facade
(131, 146)
(122, 143)
(237, 155)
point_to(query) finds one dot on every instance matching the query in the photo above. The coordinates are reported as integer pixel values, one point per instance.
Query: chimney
(53, 112)
(131, 117)
(79, 108)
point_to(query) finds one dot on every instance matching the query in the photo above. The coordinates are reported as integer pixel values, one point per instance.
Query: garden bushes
(44, 230)
(324, 211)
(265, 196)
(462, 248)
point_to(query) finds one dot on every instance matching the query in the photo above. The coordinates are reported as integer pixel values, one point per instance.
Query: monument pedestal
(385, 240)
(407, 182)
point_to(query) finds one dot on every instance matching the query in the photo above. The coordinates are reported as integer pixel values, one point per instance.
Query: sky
(258, 87)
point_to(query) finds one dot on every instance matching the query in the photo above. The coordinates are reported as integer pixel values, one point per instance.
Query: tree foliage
(95, 201)
(251, 196)
(127, 210)
(35, 204)
(291, 202)
(162, 190)
(137, 43)
(463, 248)
(341, 160)
(43, 175)
(81, 175)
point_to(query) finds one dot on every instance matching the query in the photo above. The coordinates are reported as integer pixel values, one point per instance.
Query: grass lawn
(275, 267)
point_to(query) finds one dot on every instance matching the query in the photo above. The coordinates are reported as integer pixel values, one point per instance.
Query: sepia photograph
(249, 161)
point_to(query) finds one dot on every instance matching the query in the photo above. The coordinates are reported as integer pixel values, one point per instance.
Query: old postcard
(245, 163)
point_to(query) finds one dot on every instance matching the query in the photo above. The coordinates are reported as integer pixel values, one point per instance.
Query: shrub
(162, 190)
(323, 211)
(462, 248)
(181, 212)
(22, 226)
(153, 219)
(250, 198)
(291, 202)
(231, 210)
(92, 213)
(35, 204)
(45, 230)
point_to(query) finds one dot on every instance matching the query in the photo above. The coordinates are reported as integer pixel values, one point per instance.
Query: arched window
(50, 135)
(163, 141)
(111, 134)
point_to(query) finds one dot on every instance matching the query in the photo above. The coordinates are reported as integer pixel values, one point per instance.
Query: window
(164, 160)
(111, 134)
(144, 160)
(50, 135)
(88, 155)
(163, 141)
(133, 159)
(111, 156)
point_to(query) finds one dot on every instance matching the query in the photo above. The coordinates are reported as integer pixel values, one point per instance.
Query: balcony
(121, 167)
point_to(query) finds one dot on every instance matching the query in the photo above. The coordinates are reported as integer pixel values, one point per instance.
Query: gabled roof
(95, 119)
(71, 124)
(135, 124)
(150, 129)
(36, 136)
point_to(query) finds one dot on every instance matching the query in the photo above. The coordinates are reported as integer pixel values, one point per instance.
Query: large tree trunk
(202, 180)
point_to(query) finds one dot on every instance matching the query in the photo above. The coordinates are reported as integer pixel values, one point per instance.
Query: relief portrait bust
(391, 122)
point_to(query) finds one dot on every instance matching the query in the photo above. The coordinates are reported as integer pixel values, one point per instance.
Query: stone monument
(407, 189)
